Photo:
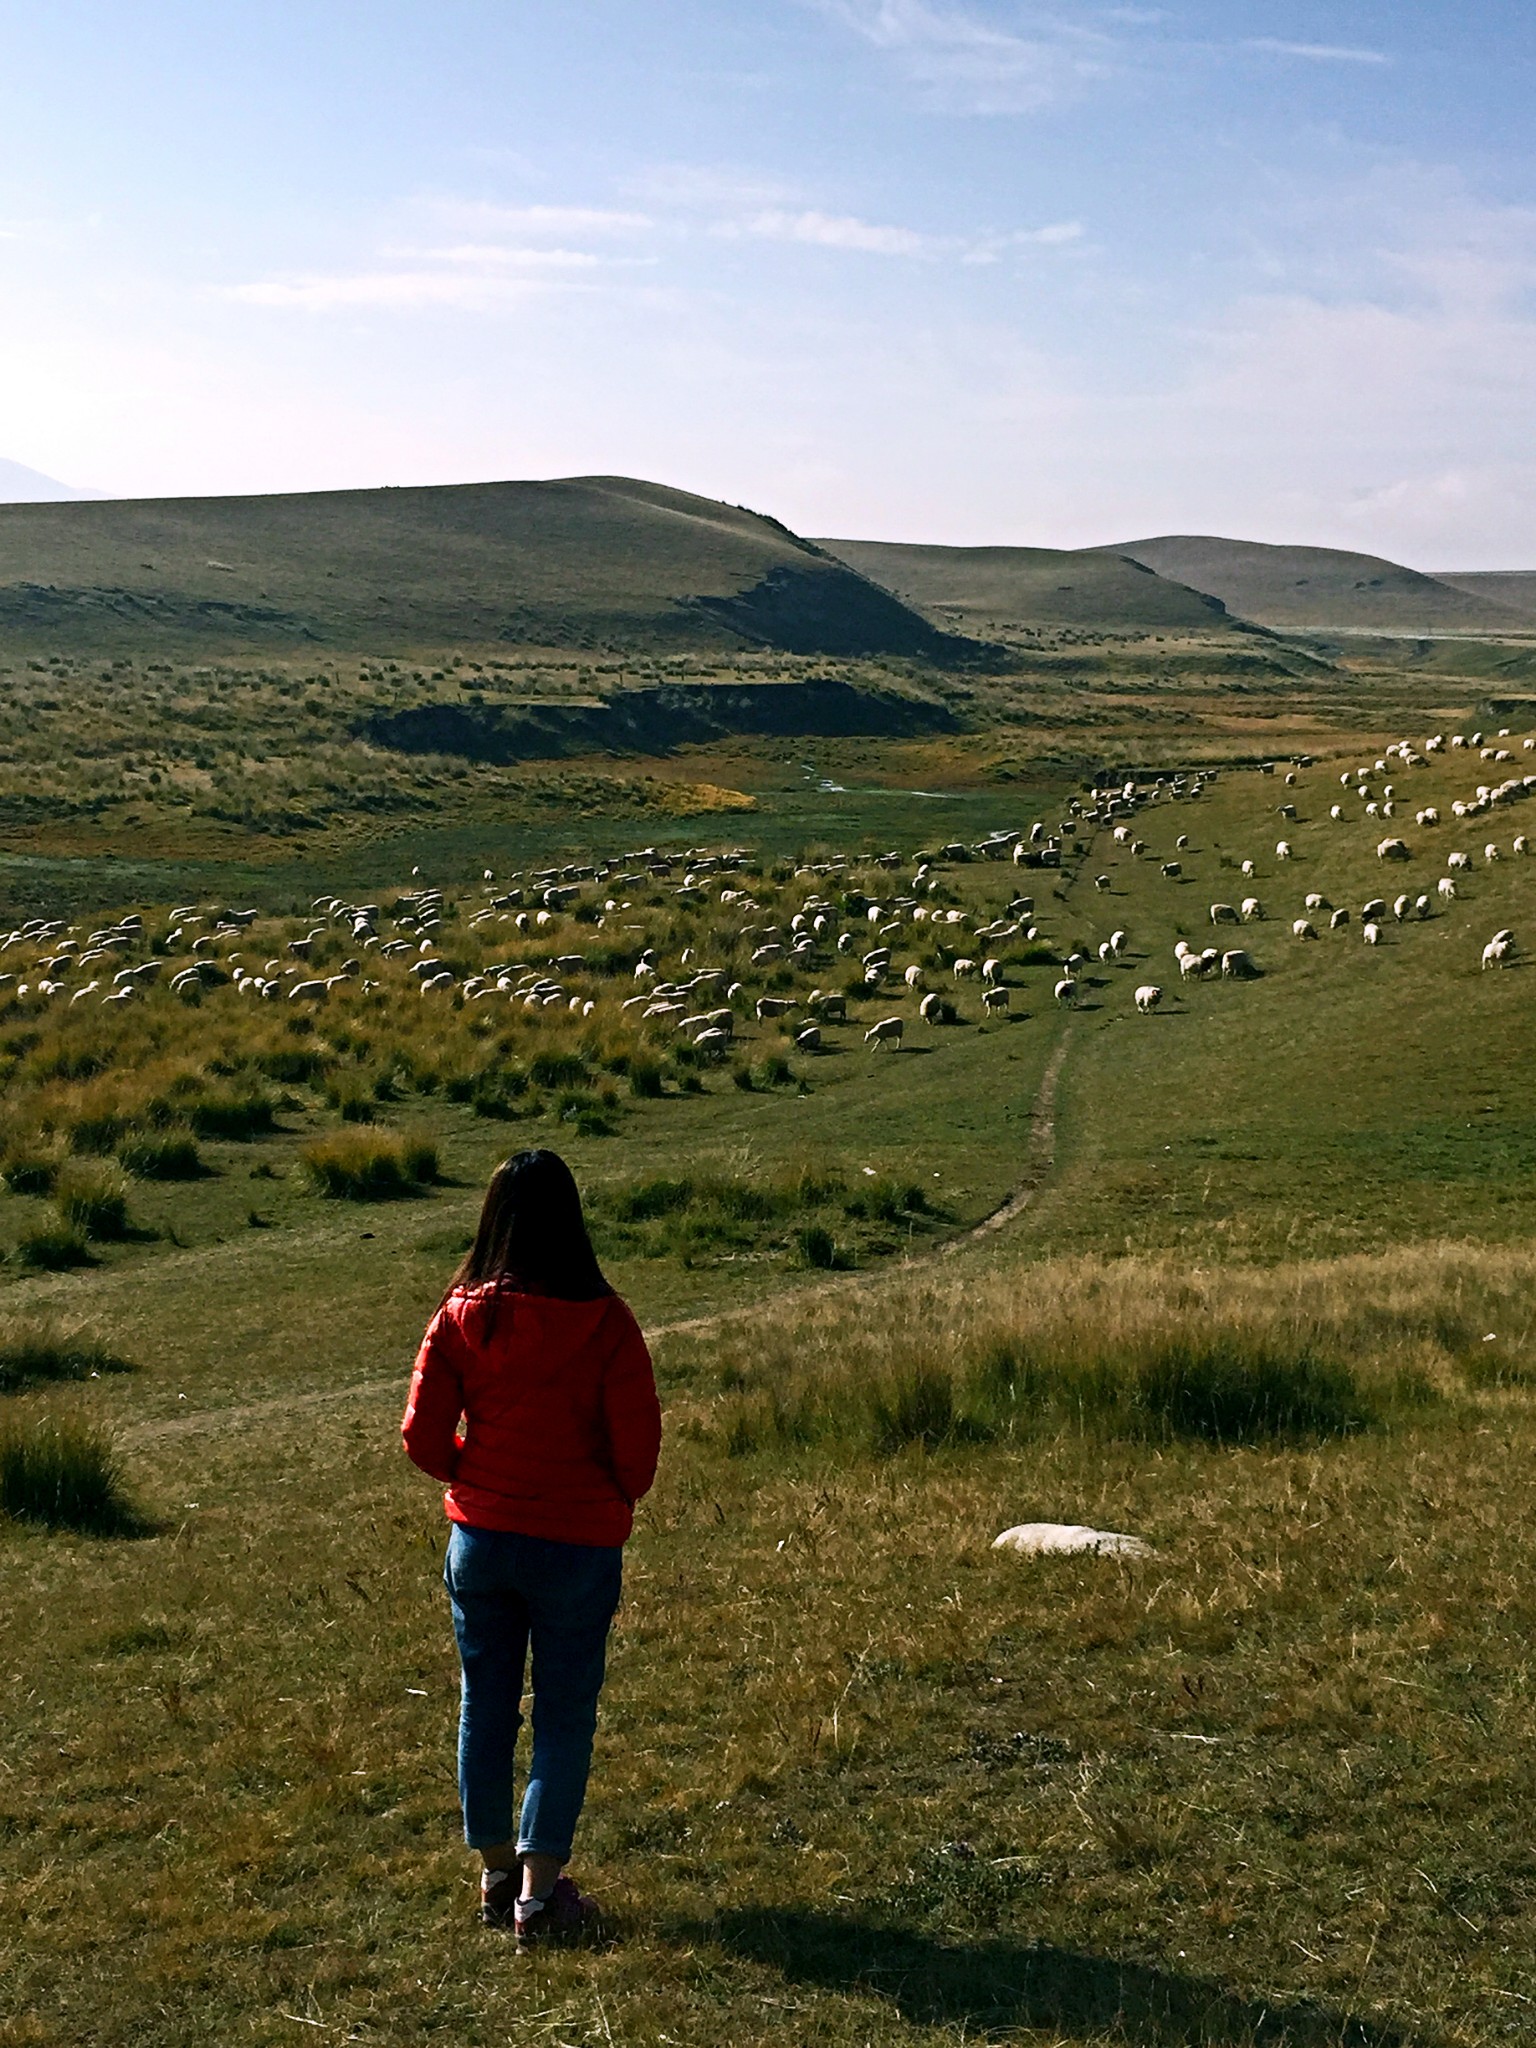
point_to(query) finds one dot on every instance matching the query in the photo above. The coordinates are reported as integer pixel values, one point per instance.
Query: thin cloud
(390, 291)
(835, 231)
(483, 217)
(1316, 53)
(967, 61)
(707, 188)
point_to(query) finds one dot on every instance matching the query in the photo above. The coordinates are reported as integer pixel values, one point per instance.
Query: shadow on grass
(1012, 1984)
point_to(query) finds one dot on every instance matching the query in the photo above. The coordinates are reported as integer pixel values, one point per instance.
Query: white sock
(491, 1878)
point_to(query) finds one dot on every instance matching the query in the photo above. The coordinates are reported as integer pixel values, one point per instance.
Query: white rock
(1033, 1539)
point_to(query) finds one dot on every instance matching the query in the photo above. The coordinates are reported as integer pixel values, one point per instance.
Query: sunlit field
(1243, 1271)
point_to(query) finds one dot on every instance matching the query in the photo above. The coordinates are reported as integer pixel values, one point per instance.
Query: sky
(981, 272)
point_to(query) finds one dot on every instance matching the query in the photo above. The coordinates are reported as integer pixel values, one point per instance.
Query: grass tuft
(32, 1357)
(360, 1165)
(64, 1474)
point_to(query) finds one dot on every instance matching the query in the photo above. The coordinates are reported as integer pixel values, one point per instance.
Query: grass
(32, 1356)
(862, 1781)
(1137, 1350)
(63, 1472)
(370, 1166)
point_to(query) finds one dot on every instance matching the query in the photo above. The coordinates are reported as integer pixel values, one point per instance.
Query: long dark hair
(532, 1233)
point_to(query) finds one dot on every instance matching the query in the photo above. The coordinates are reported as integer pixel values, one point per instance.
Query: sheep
(887, 1032)
(1336, 812)
(1182, 842)
(994, 999)
(1065, 991)
(1374, 911)
(317, 991)
(1302, 929)
(1391, 849)
(1252, 910)
(827, 1004)
(1249, 869)
(1238, 965)
(1282, 849)
(1401, 905)
(1459, 861)
(1421, 906)
(772, 1006)
(1490, 852)
(1314, 901)
(1223, 913)
(1148, 996)
(964, 969)
(992, 970)
(913, 976)
(1191, 966)
(1446, 888)
(808, 1038)
(1171, 870)
(1371, 933)
(1101, 881)
(931, 1009)
(1520, 845)
(1339, 919)
(1498, 952)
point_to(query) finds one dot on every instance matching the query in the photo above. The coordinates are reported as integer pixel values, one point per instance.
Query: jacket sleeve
(632, 1412)
(429, 1429)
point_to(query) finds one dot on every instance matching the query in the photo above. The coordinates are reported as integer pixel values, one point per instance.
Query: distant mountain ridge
(22, 486)
(1306, 589)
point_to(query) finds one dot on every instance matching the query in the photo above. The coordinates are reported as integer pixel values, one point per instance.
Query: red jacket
(561, 1426)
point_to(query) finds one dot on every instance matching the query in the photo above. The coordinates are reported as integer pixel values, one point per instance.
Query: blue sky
(973, 272)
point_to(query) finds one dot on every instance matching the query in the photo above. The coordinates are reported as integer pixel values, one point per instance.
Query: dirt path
(1039, 1155)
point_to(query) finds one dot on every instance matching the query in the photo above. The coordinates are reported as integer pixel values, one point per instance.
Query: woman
(547, 1371)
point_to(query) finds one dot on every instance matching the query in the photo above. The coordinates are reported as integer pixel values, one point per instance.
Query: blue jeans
(506, 1590)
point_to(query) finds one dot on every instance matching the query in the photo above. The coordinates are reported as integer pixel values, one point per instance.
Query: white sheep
(1148, 997)
(1065, 991)
(887, 1032)
(1498, 952)
(994, 999)
(1371, 933)
(1252, 909)
(1301, 929)
(1223, 913)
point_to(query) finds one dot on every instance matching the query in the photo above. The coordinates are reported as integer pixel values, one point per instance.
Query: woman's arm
(429, 1429)
(632, 1412)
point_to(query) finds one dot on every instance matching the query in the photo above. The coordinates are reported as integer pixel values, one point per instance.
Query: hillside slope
(1513, 587)
(1298, 589)
(582, 561)
(996, 592)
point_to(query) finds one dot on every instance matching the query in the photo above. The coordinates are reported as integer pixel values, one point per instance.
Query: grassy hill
(1297, 589)
(999, 592)
(581, 562)
(1513, 587)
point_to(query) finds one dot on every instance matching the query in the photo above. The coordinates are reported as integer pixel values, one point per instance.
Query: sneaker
(565, 1916)
(498, 1897)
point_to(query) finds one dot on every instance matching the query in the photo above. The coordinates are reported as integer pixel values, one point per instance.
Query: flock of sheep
(841, 925)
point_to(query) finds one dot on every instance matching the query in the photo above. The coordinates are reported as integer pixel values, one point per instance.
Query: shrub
(235, 1113)
(166, 1158)
(816, 1247)
(53, 1248)
(64, 1473)
(93, 1200)
(31, 1356)
(28, 1170)
(369, 1166)
(645, 1077)
(558, 1070)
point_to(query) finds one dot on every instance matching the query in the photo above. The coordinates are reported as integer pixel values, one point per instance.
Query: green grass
(862, 1781)
(370, 1166)
(42, 1353)
(62, 1472)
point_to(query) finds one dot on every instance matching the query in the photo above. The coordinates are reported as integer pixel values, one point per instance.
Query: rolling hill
(1301, 589)
(580, 562)
(1513, 587)
(997, 592)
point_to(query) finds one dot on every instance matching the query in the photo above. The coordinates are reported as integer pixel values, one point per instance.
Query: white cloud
(834, 231)
(484, 217)
(969, 63)
(709, 188)
(1316, 53)
(389, 290)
